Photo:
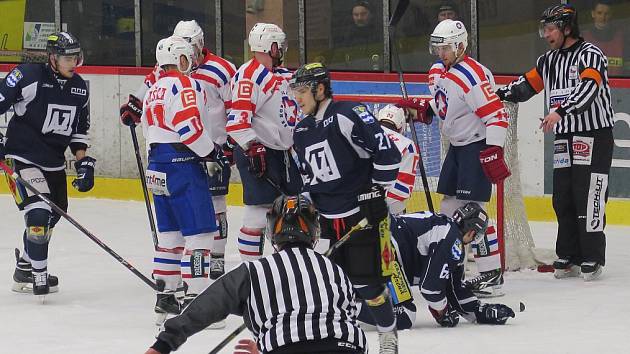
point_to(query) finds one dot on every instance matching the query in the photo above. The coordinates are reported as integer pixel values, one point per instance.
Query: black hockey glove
(372, 204)
(256, 155)
(217, 156)
(2, 150)
(496, 314)
(445, 318)
(131, 112)
(85, 174)
(228, 149)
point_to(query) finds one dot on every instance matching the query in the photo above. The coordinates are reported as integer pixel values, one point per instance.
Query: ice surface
(103, 308)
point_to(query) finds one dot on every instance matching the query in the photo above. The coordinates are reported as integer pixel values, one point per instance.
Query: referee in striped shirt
(574, 75)
(293, 301)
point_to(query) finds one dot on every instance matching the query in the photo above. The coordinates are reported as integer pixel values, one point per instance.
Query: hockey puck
(545, 268)
(522, 307)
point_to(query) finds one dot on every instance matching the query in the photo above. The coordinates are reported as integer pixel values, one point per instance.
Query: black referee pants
(580, 191)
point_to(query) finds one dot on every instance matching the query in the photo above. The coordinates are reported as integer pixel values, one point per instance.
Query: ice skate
(165, 306)
(388, 342)
(563, 268)
(591, 270)
(486, 284)
(23, 277)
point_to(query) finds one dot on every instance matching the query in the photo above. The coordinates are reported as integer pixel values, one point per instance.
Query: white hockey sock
(486, 251)
(166, 264)
(195, 265)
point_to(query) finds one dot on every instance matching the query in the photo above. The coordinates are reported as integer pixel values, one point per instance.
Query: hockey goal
(515, 240)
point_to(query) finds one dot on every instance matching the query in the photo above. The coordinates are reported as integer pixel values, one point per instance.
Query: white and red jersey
(263, 108)
(465, 102)
(215, 75)
(149, 81)
(402, 187)
(173, 110)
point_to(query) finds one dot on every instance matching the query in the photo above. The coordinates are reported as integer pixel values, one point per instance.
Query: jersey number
(59, 119)
(444, 274)
(383, 141)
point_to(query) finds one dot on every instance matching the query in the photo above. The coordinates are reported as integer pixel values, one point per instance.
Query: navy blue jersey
(342, 154)
(430, 248)
(48, 118)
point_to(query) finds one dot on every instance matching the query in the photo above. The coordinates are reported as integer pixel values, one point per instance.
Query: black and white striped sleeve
(592, 68)
(526, 86)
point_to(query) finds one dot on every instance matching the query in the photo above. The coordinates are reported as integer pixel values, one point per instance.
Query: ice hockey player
(475, 123)
(261, 122)
(214, 74)
(574, 76)
(430, 250)
(348, 161)
(178, 141)
(393, 120)
(293, 301)
(51, 108)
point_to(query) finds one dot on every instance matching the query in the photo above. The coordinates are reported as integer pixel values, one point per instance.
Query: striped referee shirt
(575, 81)
(290, 297)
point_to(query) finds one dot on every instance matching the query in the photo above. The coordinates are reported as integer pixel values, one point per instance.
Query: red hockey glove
(257, 161)
(445, 318)
(419, 109)
(493, 164)
(131, 112)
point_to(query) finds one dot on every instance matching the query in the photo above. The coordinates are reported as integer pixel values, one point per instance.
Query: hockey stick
(85, 231)
(360, 225)
(398, 13)
(500, 222)
(143, 182)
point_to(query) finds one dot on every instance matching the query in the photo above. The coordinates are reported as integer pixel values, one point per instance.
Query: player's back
(172, 113)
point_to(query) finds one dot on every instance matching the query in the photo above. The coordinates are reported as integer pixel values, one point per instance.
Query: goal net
(518, 245)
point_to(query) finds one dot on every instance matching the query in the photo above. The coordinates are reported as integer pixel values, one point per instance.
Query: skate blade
(27, 288)
(572, 272)
(216, 325)
(489, 293)
(593, 276)
(42, 299)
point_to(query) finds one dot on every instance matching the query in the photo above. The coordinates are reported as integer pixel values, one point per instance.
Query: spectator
(361, 47)
(447, 11)
(608, 37)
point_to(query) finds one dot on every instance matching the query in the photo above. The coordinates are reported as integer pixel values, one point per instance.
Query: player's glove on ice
(373, 205)
(256, 155)
(2, 150)
(448, 317)
(493, 164)
(496, 314)
(131, 112)
(419, 109)
(85, 174)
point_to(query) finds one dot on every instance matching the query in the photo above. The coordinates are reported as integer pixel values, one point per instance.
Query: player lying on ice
(430, 248)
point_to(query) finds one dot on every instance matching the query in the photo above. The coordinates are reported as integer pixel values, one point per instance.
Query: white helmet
(190, 31)
(263, 35)
(448, 33)
(169, 50)
(393, 114)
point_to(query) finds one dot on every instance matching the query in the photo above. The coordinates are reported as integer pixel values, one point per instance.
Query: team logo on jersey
(78, 91)
(441, 101)
(59, 119)
(457, 250)
(245, 89)
(556, 97)
(364, 114)
(14, 77)
(289, 111)
(573, 72)
(322, 163)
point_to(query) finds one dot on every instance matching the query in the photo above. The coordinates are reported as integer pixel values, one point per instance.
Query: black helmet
(311, 75)
(471, 217)
(292, 220)
(562, 15)
(64, 43)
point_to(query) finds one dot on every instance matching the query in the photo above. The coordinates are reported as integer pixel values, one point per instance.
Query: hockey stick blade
(360, 225)
(401, 7)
